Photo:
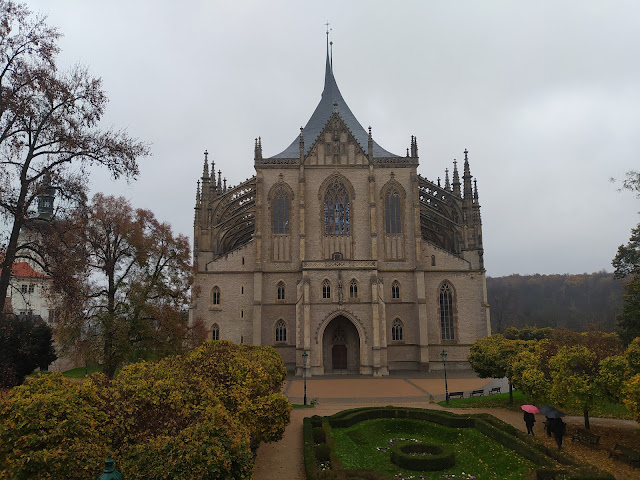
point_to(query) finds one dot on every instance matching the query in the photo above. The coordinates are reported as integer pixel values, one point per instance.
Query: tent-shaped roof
(331, 98)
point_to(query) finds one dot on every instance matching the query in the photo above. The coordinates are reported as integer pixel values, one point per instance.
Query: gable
(336, 145)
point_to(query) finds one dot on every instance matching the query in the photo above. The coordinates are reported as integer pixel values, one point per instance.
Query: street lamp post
(446, 387)
(304, 374)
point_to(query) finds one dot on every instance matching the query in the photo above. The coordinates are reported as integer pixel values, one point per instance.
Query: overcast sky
(545, 95)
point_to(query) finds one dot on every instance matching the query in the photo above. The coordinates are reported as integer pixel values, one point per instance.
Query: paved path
(284, 459)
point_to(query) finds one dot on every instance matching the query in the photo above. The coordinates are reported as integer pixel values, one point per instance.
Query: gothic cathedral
(340, 255)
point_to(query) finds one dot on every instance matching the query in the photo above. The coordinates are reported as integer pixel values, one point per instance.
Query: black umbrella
(545, 409)
(555, 414)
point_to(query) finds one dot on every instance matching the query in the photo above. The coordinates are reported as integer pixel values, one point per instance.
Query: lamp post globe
(304, 374)
(444, 365)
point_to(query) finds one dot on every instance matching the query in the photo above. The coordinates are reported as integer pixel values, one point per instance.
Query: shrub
(183, 417)
(323, 452)
(422, 457)
(25, 343)
(318, 435)
(310, 462)
(52, 428)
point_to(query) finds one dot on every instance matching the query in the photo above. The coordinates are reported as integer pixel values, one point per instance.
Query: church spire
(301, 145)
(414, 146)
(257, 151)
(466, 178)
(205, 168)
(447, 186)
(324, 110)
(456, 178)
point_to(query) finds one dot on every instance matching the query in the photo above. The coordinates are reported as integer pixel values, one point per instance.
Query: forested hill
(576, 302)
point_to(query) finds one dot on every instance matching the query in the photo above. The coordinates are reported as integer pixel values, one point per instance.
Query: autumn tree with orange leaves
(124, 278)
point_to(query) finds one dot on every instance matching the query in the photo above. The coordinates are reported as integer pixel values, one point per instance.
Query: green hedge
(513, 442)
(349, 474)
(310, 462)
(422, 456)
(351, 417)
(323, 452)
(318, 435)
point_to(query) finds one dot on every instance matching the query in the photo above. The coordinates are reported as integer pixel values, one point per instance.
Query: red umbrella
(530, 408)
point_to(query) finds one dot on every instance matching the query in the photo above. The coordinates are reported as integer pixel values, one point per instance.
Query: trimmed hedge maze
(377, 443)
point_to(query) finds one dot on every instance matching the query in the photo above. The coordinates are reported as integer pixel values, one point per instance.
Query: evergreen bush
(422, 457)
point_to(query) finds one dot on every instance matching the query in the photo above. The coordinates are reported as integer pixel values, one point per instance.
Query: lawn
(81, 372)
(365, 446)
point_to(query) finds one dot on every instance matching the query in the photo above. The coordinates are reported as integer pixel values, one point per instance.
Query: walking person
(529, 420)
(558, 428)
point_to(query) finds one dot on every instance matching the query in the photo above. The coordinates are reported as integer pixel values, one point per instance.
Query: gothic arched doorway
(341, 347)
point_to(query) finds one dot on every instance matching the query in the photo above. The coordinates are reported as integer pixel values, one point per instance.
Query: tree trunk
(510, 393)
(586, 418)
(9, 257)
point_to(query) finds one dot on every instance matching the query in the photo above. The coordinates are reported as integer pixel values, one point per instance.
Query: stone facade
(339, 249)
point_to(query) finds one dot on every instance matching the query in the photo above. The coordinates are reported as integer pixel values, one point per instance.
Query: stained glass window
(446, 312)
(336, 209)
(392, 215)
(280, 212)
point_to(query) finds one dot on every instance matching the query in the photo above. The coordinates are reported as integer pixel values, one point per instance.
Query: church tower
(341, 255)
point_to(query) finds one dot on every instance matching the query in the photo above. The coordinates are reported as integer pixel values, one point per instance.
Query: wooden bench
(477, 393)
(627, 454)
(586, 437)
(456, 394)
(494, 390)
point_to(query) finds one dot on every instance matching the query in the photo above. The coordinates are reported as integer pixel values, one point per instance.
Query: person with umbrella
(529, 418)
(558, 427)
(546, 410)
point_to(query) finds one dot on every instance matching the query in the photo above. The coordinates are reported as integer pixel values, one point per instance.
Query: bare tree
(49, 131)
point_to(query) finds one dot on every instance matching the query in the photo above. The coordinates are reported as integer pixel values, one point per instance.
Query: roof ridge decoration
(330, 101)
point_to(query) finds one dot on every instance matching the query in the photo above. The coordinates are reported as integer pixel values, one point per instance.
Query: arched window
(395, 290)
(396, 330)
(215, 332)
(280, 289)
(326, 289)
(446, 312)
(215, 296)
(433, 260)
(336, 209)
(353, 289)
(392, 213)
(280, 212)
(281, 331)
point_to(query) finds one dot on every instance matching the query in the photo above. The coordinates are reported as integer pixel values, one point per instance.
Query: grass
(476, 454)
(80, 372)
(605, 410)
(500, 400)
